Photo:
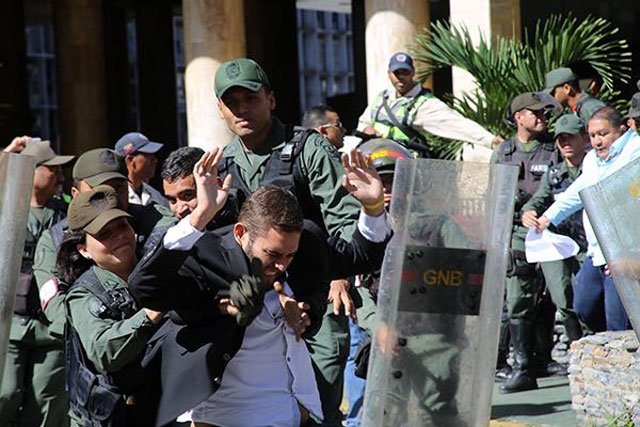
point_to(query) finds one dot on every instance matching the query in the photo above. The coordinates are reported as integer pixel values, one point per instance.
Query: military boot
(503, 369)
(543, 363)
(522, 378)
(572, 328)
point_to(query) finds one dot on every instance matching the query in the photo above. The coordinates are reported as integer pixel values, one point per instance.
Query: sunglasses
(337, 124)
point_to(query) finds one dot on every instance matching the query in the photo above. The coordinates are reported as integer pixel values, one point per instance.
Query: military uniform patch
(233, 70)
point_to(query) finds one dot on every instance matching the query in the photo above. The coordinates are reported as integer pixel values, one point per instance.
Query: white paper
(548, 246)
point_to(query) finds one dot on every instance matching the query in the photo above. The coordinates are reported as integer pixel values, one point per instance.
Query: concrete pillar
(489, 18)
(81, 75)
(214, 32)
(390, 27)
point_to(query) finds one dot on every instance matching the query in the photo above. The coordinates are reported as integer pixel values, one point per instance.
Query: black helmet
(384, 153)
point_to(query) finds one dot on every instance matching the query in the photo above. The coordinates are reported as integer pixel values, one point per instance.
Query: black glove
(247, 293)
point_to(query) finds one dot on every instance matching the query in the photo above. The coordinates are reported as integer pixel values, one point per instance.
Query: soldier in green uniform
(528, 150)
(107, 332)
(571, 139)
(562, 84)
(265, 151)
(94, 167)
(32, 392)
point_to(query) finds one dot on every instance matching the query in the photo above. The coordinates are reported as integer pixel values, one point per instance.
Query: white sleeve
(365, 119)
(436, 117)
(182, 236)
(374, 228)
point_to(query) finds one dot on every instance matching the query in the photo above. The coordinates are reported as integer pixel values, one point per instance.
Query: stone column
(390, 27)
(214, 32)
(81, 75)
(489, 18)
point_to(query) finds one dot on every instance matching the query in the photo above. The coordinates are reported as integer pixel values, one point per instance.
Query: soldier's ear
(82, 249)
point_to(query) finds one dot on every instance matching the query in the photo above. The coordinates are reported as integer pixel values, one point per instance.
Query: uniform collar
(415, 91)
(108, 279)
(616, 148)
(274, 141)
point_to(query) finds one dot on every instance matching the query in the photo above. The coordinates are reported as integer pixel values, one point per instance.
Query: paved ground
(549, 405)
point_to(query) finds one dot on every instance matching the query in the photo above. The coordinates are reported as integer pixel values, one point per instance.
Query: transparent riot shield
(16, 180)
(613, 207)
(435, 339)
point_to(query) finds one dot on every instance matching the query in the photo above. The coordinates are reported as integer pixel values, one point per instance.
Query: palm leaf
(506, 67)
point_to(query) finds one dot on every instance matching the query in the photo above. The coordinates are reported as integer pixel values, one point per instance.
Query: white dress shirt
(149, 194)
(272, 373)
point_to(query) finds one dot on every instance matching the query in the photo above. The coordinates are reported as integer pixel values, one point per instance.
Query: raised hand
(294, 311)
(362, 181)
(212, 192)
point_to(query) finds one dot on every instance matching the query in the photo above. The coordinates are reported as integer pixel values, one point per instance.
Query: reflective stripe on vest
(404, 108)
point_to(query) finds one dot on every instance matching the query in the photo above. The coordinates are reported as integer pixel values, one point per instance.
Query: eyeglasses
(337, 124)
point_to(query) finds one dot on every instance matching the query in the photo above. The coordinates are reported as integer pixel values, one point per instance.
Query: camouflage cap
(530, 101)
(384, 154)
(91, 210)
(569, 123)
(243, 72)
(44, 154)
(98, 166)
(557, 77)
(634, 108)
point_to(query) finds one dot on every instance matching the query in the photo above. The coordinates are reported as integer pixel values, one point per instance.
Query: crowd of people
(244, 293)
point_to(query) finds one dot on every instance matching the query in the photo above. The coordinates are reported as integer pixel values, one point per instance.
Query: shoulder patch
(96, 308)
(326, 146)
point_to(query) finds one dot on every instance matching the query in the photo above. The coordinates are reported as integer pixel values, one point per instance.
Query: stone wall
(604, 373)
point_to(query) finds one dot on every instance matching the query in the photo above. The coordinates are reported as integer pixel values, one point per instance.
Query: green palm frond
(506, 67)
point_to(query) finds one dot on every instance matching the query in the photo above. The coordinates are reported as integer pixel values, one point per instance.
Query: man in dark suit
(193, 279)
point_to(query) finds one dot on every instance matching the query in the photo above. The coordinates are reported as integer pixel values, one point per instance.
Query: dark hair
(271, 207)
(316, 116)
(575, 84)
(180, 163)
(609, 114)
(70, 264)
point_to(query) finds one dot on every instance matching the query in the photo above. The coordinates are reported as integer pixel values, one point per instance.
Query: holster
(27, 299)
(522, 270)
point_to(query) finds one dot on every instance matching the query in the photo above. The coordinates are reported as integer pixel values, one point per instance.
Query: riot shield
(16, 180)
(435, 339)
(613, 206)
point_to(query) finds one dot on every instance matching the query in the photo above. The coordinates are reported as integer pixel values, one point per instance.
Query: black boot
(522, 378)
(543, 363)
(572, 328)
(503, 369)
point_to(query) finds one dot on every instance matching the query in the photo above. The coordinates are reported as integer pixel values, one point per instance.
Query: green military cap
(98, 166)
(44, 154)
(530, 101)
(569, 123)
(557, 77)
(634, 109)
(243, 72)
(91, 210)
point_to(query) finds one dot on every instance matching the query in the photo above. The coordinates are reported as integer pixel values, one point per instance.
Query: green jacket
(148, 220)
(321, 166)
(109, 344)
(543, 198)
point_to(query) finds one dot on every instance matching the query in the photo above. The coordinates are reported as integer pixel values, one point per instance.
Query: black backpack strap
(116, 304)
(507, 148)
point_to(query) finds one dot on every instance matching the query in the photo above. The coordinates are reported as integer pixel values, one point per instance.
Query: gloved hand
(247, 294)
